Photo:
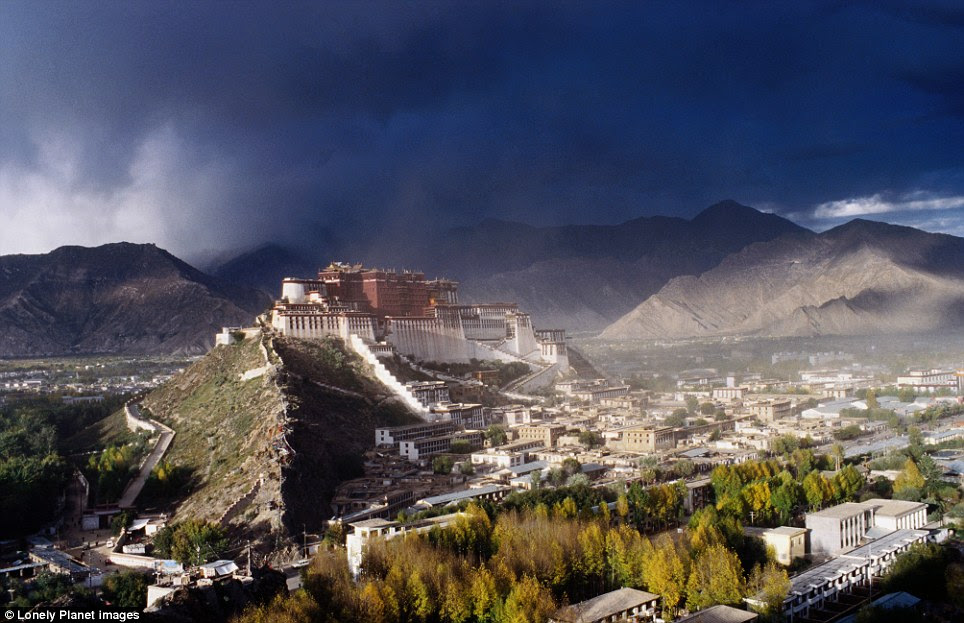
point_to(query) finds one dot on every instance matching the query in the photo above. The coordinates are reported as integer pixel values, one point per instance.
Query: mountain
(583, 277)
(860, 278)
(265, 267)
(116, 298)
(580, 277)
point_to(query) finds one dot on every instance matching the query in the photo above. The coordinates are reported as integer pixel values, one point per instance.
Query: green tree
(496, 435)
(442, 464)
(126, 590)
(692, 404)
(871, 399)
(707, 408)
(909, 478)
(590, 439)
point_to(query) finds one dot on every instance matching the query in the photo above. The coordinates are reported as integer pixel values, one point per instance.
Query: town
(835, 472)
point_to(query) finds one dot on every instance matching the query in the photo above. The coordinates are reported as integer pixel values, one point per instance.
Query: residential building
(771, 410)
(839, 527)
(429, 392)
(548, 434)
(787, 542)
(415, 449)
(618, 605)
(466, 415)
(898, 514)
(392, 435)
(729, 393)
(365, 531)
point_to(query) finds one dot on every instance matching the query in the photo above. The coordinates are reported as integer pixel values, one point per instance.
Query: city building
(770, 410)
(415, 449)
(548, 434)
(648, 439)
(898, 514)
(787, 542)
(839, 527)
(460, 414)
(826, 582)
(928, 381)
(364, 531)
(618, 605)
(429, 392)
(729, 393)
(392, 435)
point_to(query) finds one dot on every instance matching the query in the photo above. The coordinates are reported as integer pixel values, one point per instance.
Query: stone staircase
(387, 378)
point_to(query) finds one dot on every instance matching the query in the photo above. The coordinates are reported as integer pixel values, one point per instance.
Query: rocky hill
(857, 279)
(116, 298)
(267, 428)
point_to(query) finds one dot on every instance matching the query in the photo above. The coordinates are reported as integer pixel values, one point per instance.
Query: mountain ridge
(115, 298)
(863, 277)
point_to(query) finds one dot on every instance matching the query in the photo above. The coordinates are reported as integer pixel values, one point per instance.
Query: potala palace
(402, 312)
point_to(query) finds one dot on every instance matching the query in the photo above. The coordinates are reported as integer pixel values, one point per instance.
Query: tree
(816, 489)
(849, 481)
(192, 542)
(442, 464)
(909, 478)
(707, 408)
(590, 439)
(528, 602)
(692, 403)
(496, 435)
(460, 446)
(871, 399)
(665, 572)
(677, 418)
(769, 585)
(837, 453)
(906, 394)
(126, 590)
(716, 578)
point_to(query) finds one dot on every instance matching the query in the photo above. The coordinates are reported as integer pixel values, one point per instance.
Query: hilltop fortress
(402, 312)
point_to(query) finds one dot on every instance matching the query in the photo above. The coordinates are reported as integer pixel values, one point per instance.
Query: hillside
(857, 279)
(298, 426)
(116, 298)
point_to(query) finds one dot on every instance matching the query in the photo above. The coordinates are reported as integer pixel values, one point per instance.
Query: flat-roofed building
(548, 434)
(468, 415)
(787, 542)
(824, 583)
(839, 527)
(771, 410)
(898, 514)
(596, 395)
(489, 492)
(618, 605)
(364, 531)
(729, 393)
(392, 435)
(429, 392)
(648, 439)
(415, 449)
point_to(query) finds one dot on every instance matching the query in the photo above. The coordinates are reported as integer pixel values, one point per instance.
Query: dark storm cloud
(204, 126)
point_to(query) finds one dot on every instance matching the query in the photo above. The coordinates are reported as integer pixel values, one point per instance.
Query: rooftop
(465, 494)
(603, 606)
(892, 508)
(841, 511)
(720, 614)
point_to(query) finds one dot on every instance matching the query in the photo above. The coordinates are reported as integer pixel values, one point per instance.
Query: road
(160, 448)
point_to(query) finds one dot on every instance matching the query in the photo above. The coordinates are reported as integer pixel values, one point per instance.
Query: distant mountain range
(581, 277)
(731, 270)
(116, 298)
(860, 278)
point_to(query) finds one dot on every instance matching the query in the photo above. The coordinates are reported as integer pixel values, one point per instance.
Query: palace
(422, 319)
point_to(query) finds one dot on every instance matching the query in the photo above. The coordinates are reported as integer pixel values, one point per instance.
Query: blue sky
(209, 126)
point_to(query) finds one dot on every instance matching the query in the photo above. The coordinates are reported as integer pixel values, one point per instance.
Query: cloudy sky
(207, 126)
